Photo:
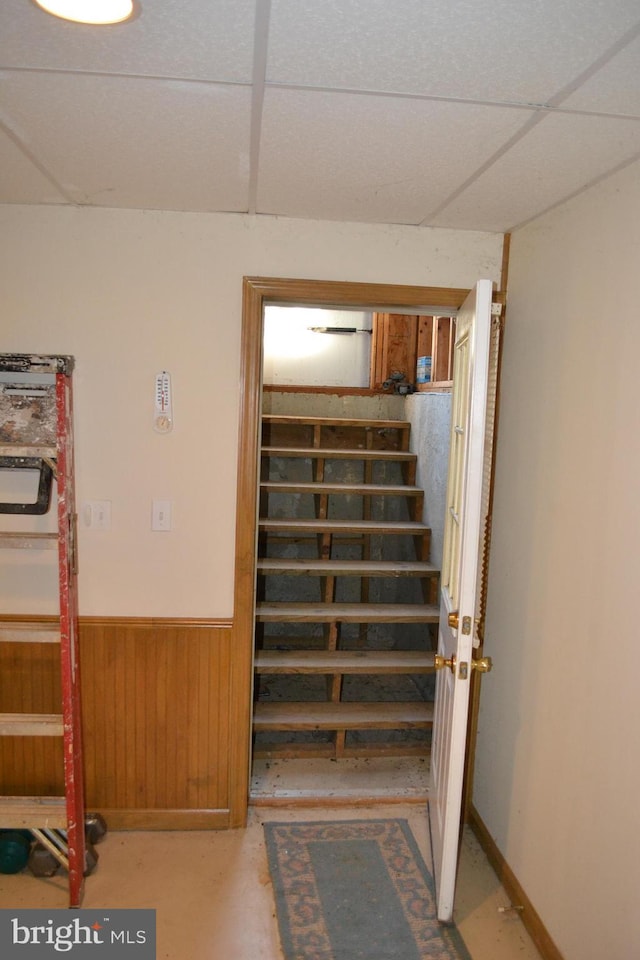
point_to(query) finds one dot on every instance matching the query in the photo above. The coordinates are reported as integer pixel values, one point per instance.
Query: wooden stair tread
(342, 716)
(31, 725)
(344, 661)
(19, 541)
(29, 631)
(360, 489)
(342, 568)
(33, 812)
(348, 612)
(339, 453)
(292, 525)
(335, 421)
(28, 450)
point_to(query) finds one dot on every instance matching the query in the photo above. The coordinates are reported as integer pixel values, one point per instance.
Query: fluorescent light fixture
(89, 11)
(337, 330)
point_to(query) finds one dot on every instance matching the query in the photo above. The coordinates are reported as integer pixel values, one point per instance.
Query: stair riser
(278, 430)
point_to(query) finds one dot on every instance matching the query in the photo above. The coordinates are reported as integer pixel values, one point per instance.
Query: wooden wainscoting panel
(155, 704)
(155, 708)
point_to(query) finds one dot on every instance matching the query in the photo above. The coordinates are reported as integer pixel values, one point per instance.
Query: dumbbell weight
(42, 862)
(95, 827)
(90, 859)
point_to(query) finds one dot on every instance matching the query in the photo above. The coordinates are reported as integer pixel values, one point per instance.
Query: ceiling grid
(466, 114)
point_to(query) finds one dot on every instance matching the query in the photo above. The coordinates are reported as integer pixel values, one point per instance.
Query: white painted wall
(557, 774)
(294, 353)
(130, 293)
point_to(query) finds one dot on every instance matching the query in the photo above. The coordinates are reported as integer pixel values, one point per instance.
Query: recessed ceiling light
(89, 11)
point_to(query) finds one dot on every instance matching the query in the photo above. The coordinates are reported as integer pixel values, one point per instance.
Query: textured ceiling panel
(515, 50)
(613, 89)
(556, 158)
(20, 180)
(350, 157)
(162, 112)
(143, 143)
(203, 39)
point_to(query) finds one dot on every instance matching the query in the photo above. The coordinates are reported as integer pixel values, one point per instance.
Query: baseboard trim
(530, 918)
(148, 819)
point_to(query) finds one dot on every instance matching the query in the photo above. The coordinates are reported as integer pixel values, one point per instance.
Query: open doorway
(259, 293)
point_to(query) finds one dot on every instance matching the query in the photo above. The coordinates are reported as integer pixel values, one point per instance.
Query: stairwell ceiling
(468, 114)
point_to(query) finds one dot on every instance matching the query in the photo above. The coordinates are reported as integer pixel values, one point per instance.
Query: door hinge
(496, 309)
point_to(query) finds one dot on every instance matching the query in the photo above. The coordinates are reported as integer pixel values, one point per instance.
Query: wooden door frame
(258, 291)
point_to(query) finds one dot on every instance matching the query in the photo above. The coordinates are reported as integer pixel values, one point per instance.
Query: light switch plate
(161, 515)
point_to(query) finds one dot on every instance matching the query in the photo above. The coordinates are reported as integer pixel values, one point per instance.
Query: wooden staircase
(346, 596)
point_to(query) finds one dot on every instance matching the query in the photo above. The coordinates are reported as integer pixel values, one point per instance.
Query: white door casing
(460, 583)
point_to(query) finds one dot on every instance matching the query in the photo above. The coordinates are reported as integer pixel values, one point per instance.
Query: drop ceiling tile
(558, 157)
(613, 89)
(117, 142)
(199, 39)
(20, 180)
(514, 50)
(341, 156)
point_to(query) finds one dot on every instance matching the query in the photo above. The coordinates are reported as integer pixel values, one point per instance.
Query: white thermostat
(163, 410)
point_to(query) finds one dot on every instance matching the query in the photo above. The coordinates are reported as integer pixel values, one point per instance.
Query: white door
(459, 586)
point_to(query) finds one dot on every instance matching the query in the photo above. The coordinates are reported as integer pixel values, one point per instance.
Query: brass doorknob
(441, 662)
(453, 620)
(482, 664)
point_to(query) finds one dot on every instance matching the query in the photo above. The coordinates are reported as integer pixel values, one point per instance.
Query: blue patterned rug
(355, 890)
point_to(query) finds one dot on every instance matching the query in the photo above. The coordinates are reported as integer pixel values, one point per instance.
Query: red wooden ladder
(45, 441)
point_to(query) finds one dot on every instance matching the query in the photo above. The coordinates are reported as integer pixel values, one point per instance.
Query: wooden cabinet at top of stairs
(347, 596)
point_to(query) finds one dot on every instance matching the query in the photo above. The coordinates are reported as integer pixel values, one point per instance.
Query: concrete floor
(213, 896)
(340, 782)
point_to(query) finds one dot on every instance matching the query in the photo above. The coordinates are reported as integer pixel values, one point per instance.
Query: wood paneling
(425, 337)
(442, 350)
(394, 348)
(156, 702)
